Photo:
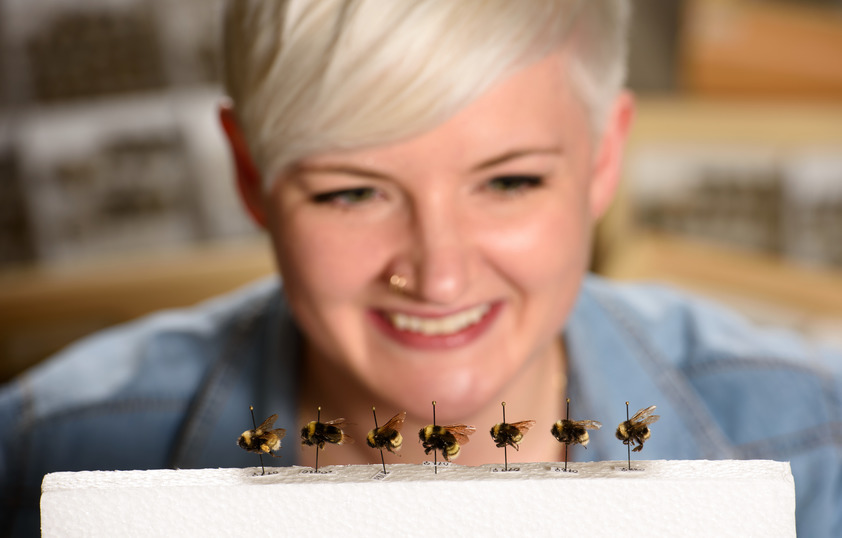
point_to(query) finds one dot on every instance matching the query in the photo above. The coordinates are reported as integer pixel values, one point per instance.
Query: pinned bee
(387, 436)
(636, 429)
(317, 433)
(512, 434)
(573, 432)
(505, 434)
(262, 439)
(446, 439)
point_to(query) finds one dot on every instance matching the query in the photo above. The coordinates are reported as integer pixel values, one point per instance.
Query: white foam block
(665, 498)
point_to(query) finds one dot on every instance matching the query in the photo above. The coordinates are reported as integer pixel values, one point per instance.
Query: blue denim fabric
(173, 390)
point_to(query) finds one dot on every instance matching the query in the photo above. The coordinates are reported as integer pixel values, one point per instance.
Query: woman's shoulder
(698, 334)
(157, 360)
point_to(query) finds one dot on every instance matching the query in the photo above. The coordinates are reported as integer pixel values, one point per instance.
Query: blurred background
(116, 196)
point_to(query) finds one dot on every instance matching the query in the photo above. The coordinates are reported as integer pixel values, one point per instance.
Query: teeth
(435, 326)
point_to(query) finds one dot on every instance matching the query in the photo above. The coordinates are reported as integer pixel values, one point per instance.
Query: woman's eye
(513, 184)
(346, 196)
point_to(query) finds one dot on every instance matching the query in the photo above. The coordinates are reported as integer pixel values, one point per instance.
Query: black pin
(318, 421)
(628, 445)
(573, 432)
(435, 454)
(376, 427)
(505, 451)
(566, 445)
(254, 425)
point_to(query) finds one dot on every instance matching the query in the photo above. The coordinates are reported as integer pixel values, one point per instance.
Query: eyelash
(507, 185)
(345, 197)
(515, 184)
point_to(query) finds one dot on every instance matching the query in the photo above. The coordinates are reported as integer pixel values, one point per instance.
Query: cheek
(546, 246)
(319, 261)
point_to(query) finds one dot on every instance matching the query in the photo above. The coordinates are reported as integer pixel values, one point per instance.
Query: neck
(536, 394)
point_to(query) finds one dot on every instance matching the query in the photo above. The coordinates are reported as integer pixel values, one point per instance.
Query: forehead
(534, 106)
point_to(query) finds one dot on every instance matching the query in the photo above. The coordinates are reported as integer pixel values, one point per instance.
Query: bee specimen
(636, 430)
(317, 433)
(573, 432)
(262, 439)
(446, 439)
(387, 436)
(505, 434)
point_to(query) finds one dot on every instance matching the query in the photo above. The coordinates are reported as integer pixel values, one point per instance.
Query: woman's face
(487, 217)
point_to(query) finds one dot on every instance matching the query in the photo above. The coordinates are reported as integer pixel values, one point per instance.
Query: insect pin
(387, 436)
(447, 439)
(262, 439)
(506, 434)
(317, 433)
(573, 432)
(635, 430)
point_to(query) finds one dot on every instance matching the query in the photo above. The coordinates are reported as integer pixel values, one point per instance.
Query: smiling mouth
(440, 326)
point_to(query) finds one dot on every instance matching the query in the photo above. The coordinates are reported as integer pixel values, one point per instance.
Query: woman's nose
(439, 255)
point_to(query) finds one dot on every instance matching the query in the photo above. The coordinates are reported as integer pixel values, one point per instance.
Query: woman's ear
(249, 182)
(608, 159)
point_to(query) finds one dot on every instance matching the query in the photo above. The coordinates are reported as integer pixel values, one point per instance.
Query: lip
(437, 341)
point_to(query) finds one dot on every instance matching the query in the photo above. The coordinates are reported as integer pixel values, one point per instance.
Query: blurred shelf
(767, 289)
(767, 122)
(43, 309)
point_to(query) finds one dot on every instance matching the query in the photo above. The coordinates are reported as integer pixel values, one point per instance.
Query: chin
(456, 395)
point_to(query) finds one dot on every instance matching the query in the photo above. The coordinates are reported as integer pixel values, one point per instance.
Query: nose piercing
(397, 283)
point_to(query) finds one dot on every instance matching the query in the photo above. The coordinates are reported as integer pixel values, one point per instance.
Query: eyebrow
(341, 169)
(512, 155)
(371, 174)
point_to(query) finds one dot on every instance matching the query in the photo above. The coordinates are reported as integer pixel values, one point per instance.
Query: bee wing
(267, 424)
(649, 420)
(642, 414)
(280, 432)
(524, 425)
(395, 423)
(461, 432)
(346, 439)
(589, 424)
(337, 422)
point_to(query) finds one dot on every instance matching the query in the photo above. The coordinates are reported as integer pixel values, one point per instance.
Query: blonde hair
(308, 76)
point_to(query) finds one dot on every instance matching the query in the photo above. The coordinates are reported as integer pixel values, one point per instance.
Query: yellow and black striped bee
(263, 439)
(318, 433)
(447, 439)
(388, 436)
(504, 433)
(574, 432)
(636, 429)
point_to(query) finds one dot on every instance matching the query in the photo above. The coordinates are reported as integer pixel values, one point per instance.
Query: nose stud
(397, 283)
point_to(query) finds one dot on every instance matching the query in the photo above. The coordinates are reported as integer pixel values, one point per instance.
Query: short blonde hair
(308, 76)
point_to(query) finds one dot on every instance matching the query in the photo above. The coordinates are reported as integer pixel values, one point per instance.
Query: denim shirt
(173, 390)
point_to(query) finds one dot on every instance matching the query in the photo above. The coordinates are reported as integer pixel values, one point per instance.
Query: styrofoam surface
(666, 498)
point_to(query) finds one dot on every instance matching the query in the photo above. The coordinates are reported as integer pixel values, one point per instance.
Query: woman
(432, 224)
(430, 174)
